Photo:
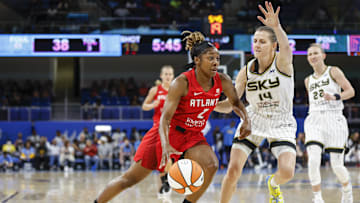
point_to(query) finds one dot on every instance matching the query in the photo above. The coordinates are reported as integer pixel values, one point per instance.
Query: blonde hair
(192, 39)
(317, 45)
(157, 82)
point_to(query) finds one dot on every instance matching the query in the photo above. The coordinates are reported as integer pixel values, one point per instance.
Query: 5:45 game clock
(169, 45)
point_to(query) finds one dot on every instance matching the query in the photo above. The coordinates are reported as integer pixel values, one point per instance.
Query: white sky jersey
(270, 92)
(317, 87)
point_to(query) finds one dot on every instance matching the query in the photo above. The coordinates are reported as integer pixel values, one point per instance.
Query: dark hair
(268, 30)
(196, 44)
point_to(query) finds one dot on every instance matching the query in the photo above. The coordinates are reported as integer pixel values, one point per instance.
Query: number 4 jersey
(194, 109)
(269, 93)
(317, 87)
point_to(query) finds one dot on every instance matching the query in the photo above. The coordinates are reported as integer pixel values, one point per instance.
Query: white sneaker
(318, 200)
(347, 197)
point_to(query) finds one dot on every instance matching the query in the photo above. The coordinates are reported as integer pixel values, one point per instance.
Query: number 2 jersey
(317, 87)
(269, 93)
(161, 96)
(194, 109)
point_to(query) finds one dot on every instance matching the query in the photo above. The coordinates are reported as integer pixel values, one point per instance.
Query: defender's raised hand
(271, 17)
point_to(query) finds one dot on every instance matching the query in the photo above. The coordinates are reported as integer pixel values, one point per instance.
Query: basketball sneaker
(165, 190)
(347, 196)
(274, 192)
(318, 200)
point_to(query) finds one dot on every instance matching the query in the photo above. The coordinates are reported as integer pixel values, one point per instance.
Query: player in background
(325, 126)
(155, 100)
(268, 80)
(191, 98)
(145, 155)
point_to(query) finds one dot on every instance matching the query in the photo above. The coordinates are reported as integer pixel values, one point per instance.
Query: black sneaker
(165, 190)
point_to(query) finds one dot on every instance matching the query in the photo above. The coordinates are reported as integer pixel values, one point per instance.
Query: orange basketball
(185, 176)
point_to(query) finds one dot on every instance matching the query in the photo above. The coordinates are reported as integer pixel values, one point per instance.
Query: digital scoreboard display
(300, 43)
(58, 45)
(163, 44)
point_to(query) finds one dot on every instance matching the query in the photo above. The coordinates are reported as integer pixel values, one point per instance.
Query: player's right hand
(156, 103)
(167, 150)
(245, 129)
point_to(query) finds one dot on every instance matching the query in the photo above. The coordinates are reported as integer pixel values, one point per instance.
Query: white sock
(318, 195)
(273, 183)
(347, 188)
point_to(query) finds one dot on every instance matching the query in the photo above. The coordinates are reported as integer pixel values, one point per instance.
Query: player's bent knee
(234, 172)
(212, 166)
(287, 172)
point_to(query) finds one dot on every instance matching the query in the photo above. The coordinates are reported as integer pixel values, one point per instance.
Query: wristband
(337, 96)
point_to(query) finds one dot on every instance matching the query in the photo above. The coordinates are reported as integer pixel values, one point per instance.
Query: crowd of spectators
(25, 93)
(87, 151)
(115, 150)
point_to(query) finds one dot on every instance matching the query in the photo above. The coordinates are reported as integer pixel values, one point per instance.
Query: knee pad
(314, 163)
(337, 165)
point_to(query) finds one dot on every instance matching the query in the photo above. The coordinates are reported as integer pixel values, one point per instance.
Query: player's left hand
(329, 97)
(271, 17)
(245, 129)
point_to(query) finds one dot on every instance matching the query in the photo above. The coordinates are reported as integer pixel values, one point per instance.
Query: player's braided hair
(196, 43)
(192, 39)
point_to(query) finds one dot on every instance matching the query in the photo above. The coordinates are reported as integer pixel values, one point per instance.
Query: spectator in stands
(301, 154)
(41, 158)
(118, 136)
(105, 152)
(9, 147)
(219, 144)
(67, 156)
(90, 153)
(59, 139)
(53, 153)
(19, 140)
(126, 153)
(353, 156)
(228, 131)
(27, 153)
(86, 133)
(134, 135)
(6, 161)
(34, 138)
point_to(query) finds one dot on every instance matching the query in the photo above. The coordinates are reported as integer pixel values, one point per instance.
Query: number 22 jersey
(194, 109)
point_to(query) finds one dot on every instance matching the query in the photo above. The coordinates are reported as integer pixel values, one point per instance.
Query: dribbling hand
(167, 150)
(271, 17)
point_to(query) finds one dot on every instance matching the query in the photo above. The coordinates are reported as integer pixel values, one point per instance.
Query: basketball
(185, 176)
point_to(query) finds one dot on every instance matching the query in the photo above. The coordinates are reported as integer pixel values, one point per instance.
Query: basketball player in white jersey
(268, 80)
(325, 125)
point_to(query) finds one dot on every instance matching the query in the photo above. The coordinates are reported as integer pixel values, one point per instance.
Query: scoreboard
(115, 45)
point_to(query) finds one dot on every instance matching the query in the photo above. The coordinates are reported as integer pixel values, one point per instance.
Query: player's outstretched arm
(237, 105)
(284, 61)
(240, 83)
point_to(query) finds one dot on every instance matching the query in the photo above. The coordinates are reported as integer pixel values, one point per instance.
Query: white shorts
(327, 129)
(280, 132)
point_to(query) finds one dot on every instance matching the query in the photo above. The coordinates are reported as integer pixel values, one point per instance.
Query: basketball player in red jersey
(145, 157)
(191, 98)
(155, 100)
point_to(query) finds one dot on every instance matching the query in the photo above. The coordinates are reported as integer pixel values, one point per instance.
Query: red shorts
(150, 151)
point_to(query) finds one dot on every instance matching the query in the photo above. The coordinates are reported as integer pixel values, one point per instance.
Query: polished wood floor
(41, 187)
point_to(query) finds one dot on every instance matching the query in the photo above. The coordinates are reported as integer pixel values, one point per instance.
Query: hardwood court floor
(53, 187)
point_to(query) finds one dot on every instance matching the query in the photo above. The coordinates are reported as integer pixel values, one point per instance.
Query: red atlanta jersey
(161, 96)
(194, 109)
